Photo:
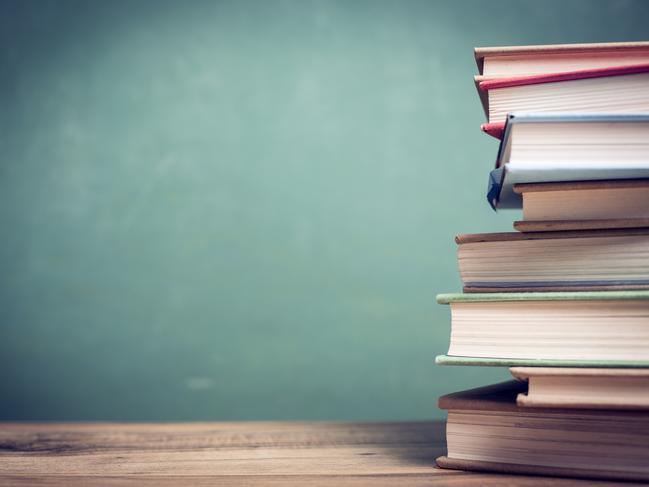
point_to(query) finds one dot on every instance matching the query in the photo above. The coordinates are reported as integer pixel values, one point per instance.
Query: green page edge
(542, 296)
(515, 362)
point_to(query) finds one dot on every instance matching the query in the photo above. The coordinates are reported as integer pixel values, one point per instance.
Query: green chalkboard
(244, 209)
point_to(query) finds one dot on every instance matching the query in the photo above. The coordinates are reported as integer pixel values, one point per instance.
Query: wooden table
(264, 453)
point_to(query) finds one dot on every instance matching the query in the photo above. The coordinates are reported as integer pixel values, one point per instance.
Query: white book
(538, 148)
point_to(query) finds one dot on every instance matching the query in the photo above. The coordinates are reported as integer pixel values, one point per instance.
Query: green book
(512, 362)
(543, 296)
(567, 329)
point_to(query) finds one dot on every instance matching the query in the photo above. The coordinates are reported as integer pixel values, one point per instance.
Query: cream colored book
(598, 326)
(583, 388)
(584, 205)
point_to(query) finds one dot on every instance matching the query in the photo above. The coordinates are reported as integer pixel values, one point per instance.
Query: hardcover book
(597, 327)
(539, 148)
(487, 431)
(498, 62)
(584, 205)
(608, 259)
(583, 388)
(616, 89)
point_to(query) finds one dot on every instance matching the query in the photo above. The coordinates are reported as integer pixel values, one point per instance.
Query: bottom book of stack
(559, 427)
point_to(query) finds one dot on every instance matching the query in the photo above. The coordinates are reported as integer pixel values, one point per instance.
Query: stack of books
(563, 300)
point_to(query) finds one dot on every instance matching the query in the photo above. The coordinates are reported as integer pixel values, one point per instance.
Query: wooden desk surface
(264, 453)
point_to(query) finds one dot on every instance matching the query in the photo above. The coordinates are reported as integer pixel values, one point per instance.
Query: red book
(618, 89)
(494, 129)
(492, 84)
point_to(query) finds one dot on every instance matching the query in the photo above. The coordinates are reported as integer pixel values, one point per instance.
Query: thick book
(583, 388)
(487, 431)
(597, 327)
(616, 89)
(584, 205)
(586, 260)
(542, 59)
(551, 147)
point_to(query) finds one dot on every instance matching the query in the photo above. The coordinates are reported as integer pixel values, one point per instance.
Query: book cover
(493, 397)
(510, 236)
(543, 296)
(516, 469)
(494, 84)
(563, 225)
(495, 129)
(506, 362)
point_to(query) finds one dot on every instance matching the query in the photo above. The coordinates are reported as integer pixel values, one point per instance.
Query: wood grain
(253, 453)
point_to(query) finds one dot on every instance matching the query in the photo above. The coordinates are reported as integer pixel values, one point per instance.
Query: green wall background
(243, 210)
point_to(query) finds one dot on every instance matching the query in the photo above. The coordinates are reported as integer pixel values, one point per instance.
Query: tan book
(496, 62)
(584, 205)
(554, 261)
(583, 388)
(487, 431)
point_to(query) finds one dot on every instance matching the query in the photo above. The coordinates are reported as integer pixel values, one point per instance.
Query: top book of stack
(594, 78)
(500, 62)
